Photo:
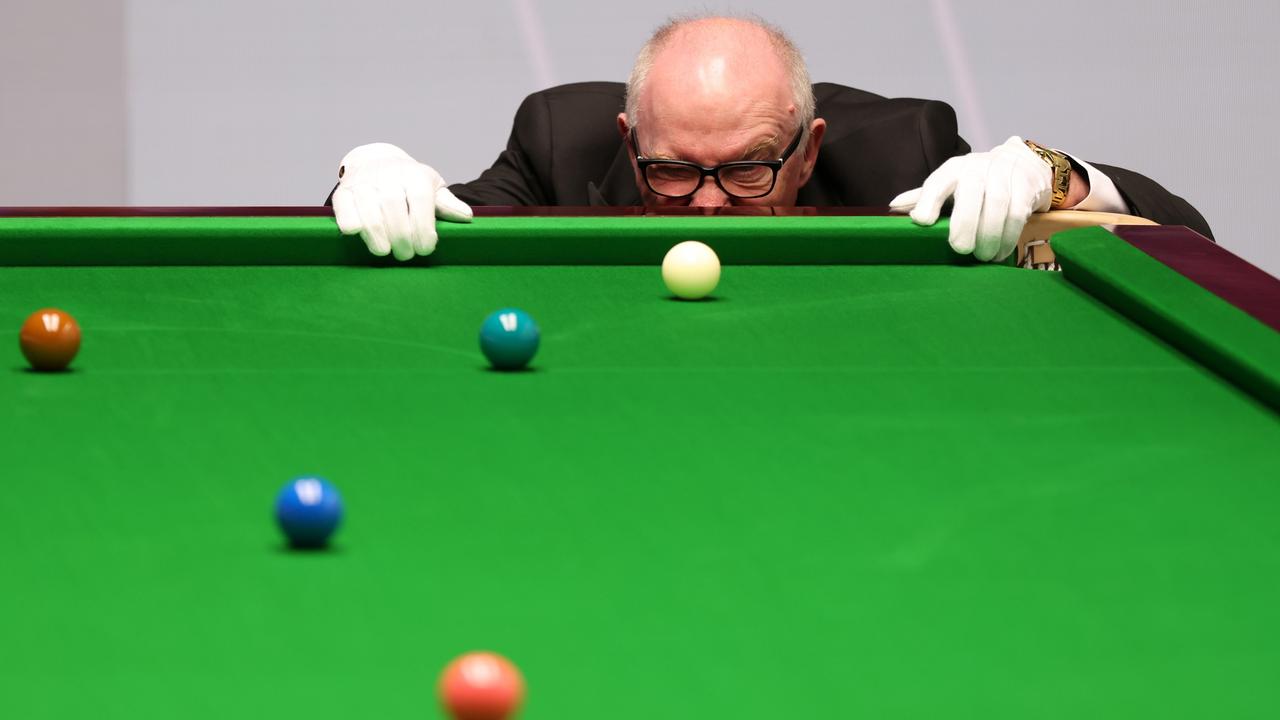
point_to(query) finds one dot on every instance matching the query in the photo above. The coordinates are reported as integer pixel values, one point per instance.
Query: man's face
(714, 102)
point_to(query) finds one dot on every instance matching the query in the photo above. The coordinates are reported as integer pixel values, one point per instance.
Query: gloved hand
(393, 201)
(995, 194)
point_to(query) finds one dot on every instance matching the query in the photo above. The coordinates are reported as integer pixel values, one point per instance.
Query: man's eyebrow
(760, 146)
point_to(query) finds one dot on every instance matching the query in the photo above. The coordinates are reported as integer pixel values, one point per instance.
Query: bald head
(717, 90)
(711, 59)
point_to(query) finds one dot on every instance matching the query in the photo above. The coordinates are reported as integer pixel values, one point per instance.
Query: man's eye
(670, 172)
(747, 175)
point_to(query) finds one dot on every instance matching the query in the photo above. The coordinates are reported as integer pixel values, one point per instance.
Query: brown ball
(50, 338)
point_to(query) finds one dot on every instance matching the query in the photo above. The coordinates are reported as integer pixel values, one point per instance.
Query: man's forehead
(675, 120)
(710, 88)
(713, 75)
(723, 124)
(739, 63)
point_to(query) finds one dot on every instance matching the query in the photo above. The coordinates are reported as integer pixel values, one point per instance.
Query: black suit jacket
(565, 150)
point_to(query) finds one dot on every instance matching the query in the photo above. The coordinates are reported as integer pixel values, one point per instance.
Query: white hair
(793, 61)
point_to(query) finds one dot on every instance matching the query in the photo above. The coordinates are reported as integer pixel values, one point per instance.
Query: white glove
(995, 194)
(393, 201)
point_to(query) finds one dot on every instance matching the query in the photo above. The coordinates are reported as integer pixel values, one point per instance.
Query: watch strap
(1060, 164)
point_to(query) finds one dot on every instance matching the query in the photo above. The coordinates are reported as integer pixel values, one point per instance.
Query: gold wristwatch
(1061, 167)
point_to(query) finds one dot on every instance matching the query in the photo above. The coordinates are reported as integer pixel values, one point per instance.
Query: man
(720, 111)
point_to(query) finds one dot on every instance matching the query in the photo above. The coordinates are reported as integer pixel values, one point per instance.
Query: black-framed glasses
(744, 179)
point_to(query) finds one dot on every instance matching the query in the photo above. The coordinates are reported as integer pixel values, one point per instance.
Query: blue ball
(308, 510)
(509, 338)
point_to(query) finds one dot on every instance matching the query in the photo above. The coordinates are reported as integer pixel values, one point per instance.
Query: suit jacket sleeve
(1148, 199)
(515, 179)
(1145, 197)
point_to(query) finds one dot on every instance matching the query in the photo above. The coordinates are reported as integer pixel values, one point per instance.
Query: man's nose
(709, 195)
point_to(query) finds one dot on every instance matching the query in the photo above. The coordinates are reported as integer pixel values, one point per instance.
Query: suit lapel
(618, 186)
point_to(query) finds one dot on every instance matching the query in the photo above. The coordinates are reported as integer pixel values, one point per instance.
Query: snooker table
(869, 479)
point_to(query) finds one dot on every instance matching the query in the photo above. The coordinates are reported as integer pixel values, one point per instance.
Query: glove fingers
(1019, 213)
(906, 201)
(372, 229)
(425, 239)
(1009, 238)
(345, 212)
(395, 217)
(965, 213)
(939, 186)
(422, 216)
(449, 207)
(995, 208)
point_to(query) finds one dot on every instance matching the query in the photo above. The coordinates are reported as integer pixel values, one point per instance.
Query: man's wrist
(1103, 196)
(1078, 189)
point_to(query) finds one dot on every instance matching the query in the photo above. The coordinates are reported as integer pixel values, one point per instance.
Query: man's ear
(624, 129)
(811, 146)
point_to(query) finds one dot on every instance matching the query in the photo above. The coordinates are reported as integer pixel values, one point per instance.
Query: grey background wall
(63, 98)
(255, 101)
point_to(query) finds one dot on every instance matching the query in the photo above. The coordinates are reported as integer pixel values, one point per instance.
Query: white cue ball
(691, 270)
